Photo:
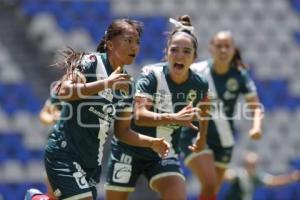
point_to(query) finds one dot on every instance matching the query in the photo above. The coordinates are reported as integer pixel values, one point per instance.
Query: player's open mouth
(132, 55)
(178, 66)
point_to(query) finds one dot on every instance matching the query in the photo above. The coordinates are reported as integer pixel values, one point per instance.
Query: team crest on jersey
(232, 84)
(192, 95)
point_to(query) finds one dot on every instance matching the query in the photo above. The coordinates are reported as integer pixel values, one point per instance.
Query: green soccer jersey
(167, 97)
(84, 123)
(225, 90)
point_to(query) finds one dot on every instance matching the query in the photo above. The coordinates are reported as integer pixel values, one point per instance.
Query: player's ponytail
(101, 48)
(185, 20)
(237, 60)
(183, 24)
(70, 62)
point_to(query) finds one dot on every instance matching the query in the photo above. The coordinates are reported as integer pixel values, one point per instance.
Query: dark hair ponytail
(237, 60)
(101, 48)
(70, 62)
(185, 20)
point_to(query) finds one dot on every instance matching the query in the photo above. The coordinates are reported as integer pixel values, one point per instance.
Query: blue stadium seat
(3, 155)
(97, 27)
(296, 5)
(23, 155)
(261, 193)
(5, 191)
(157, 24)
(17, 98)
(31, 7)
(66, 21)
(11, 146)
(101, 8)
(18, 192)
(296, 163)
(36, 154)
(296, 191)
(2, 90)
(52, 6)
(283, 192)
(37, 185)
(33, 105)
(297, 35)
(223, 190)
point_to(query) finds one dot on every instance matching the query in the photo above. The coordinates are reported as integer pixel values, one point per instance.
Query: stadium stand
(267, 31)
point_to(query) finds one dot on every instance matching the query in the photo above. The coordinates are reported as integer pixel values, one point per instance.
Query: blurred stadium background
(267, 31)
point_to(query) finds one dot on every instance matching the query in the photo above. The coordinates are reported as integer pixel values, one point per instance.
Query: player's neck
(114, 63)
(179, 78)
(221, 68)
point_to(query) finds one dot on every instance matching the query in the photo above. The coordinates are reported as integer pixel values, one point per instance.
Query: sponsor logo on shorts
(57, 193)
(80, 177)
(169, 162)
(122, 173)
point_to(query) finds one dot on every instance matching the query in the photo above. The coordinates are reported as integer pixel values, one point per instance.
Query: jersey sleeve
(248, 87)
(146, 84)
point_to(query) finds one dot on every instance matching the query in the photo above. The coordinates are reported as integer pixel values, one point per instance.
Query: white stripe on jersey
(222, 124)
(163, 103)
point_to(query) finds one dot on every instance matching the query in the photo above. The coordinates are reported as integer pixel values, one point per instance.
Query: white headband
(178, 24)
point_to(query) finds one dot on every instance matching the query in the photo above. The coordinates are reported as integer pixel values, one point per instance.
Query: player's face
(124, 48)
(180, 54)
(222, 48)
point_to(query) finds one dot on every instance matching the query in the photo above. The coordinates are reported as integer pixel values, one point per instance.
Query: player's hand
(255, 134)
(160, 146)
(199, 144)
(186, 115)
(118, 80)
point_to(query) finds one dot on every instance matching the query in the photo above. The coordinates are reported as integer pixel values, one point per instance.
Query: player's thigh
(170, 187)
(68, 179)
(123, 172)
(203, 166)
(164, 171)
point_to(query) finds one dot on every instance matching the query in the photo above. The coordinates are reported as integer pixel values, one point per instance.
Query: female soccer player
(95, 90)
(166, 98)
(227, 79)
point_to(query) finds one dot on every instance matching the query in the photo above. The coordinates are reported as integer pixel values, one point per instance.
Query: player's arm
(257, 110)
(200, 143)
(145, 117)
(249, 90)
(74, 87)
(49, 113)
(280, 180)
(125, 134)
